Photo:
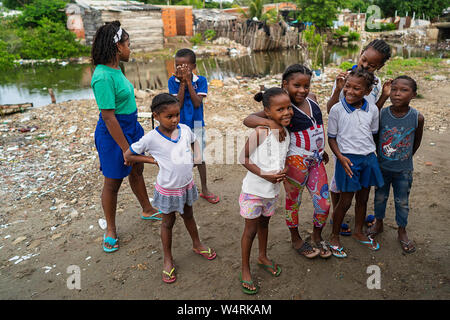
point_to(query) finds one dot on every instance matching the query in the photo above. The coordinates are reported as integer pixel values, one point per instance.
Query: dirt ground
(49, 221)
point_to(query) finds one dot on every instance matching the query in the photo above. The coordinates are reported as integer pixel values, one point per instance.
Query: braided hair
(368, 77)
(267, 95)
(382, 47)
(412, 82)
(104, 48)
(295, 68)
(160, 103)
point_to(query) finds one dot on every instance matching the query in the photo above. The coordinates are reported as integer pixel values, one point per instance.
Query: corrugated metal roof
(115, 5)
(213, 15)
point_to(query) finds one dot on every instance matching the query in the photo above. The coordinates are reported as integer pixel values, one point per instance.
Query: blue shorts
(366, 173)
(109, 152)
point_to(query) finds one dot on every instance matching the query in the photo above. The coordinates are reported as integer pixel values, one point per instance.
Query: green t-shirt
(112, 90)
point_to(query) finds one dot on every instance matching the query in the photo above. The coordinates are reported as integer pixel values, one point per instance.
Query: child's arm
(385, 93)
(340, 81)
(345, 162)
(419, 133)
(197, 153)
(131, 158)
(253, 141)
(114, 128)
(259, 119)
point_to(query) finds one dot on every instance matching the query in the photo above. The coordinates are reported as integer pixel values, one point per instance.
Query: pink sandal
(211, 198)
(206, 253)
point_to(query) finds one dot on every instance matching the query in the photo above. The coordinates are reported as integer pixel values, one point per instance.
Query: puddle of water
(70, 82)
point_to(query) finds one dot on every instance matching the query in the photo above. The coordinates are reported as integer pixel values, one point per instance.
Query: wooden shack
(143, 22)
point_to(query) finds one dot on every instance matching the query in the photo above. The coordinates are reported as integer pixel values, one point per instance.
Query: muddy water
(70, 82)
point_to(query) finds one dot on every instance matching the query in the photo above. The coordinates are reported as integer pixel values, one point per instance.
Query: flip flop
(211, 198)
(268, 266)
(112, 242)
(171, 276)
(206, 253)
(250, 283)
(323, 245)
(307, 247)
(153, 216)
(338, 252)
(405, 246)
(369, 244)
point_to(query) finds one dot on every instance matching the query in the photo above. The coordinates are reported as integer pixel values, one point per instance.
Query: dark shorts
(366, 173)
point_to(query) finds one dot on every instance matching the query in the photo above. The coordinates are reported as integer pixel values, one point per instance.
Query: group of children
(372, 146)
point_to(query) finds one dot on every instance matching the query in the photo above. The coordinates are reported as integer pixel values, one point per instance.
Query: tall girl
(351, 125)
(117, 126)
(264, 157)
(305, 160)
(170, 146)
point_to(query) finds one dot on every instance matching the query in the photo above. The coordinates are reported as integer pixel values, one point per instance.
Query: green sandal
(267, 267)
(250, 283)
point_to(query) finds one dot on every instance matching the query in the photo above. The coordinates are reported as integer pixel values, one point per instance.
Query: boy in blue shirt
(190, 90)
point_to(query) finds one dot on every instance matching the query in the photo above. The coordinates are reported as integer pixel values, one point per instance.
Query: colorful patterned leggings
(304, 172)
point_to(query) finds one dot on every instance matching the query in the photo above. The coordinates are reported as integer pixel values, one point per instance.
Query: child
(304, 161)
(264, 157)
(190, 90)
(372, 58)
(401, 129)
(170, 146)
(351, 125)
(117, 126)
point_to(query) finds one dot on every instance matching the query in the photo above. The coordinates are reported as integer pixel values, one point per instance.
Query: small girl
(305, 160)
(351, 125)
(264, 157)
(170, 147)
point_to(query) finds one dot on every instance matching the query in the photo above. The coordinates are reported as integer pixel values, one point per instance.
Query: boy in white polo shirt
(351, 125)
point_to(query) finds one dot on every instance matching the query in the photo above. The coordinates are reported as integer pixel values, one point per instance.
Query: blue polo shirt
(190, 115)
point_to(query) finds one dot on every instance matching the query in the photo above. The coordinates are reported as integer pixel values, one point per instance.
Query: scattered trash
(428, 163)
(102, 223)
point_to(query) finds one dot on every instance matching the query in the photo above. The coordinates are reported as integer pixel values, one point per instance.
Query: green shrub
(6, 58)
(33, 13)
(209, 34)
(353, 36)
(346, 65)
(50, 40)
(196, 39)
(344, 28)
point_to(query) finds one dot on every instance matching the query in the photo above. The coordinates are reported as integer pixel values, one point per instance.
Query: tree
(431, 8)
(320, 12)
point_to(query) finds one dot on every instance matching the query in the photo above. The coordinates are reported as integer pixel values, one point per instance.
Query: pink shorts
(253, 207)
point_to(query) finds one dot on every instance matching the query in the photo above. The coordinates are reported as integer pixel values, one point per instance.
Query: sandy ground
(50, 190)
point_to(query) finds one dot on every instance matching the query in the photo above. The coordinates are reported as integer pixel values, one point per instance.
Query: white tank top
(270, 155)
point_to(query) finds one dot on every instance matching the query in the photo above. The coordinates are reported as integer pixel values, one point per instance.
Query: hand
(325, 157)
(185, 73)
(346, 164)
(126, 161)
(280, 129)
(274, 177)
(340, 80)
(386, 91)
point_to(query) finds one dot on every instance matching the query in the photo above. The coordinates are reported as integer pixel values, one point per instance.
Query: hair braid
(295, 68)
(382, 47)
(104, 49)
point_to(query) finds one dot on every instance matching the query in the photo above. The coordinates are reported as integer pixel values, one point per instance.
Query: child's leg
(250, 231)
(109, 203)
(263, 233)
(168, 220)
(318, 189)
(137, 184)
(191, 226)
(361, 197)
(380, 201)
(345, 201)
(401, 184)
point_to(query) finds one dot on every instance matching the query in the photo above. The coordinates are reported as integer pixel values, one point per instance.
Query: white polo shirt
(353, 128)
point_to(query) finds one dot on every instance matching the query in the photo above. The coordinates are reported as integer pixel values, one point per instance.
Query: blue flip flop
(153, 216)
(112, 242)
(369, 244)
(338, 252)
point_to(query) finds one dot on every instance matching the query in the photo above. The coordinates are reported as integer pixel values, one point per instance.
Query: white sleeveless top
(270, 155)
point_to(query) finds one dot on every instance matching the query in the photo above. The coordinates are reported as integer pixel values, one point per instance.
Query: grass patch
(399, 66)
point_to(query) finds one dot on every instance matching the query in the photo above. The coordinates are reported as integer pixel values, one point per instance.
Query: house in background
(143, 22)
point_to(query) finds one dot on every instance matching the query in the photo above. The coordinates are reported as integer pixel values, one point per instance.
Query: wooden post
(52, 95)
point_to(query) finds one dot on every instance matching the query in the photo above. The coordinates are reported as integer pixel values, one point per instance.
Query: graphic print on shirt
(396, 143)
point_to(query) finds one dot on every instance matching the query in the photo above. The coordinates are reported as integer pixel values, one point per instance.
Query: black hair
(186, 53)
(412, 82)
(382, 47)
(368, 77)
(267, 95)
(104, 48)
(295, 68)
(160, 103)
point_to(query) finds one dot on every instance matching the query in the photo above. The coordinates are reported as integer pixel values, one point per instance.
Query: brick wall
(169, 17)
